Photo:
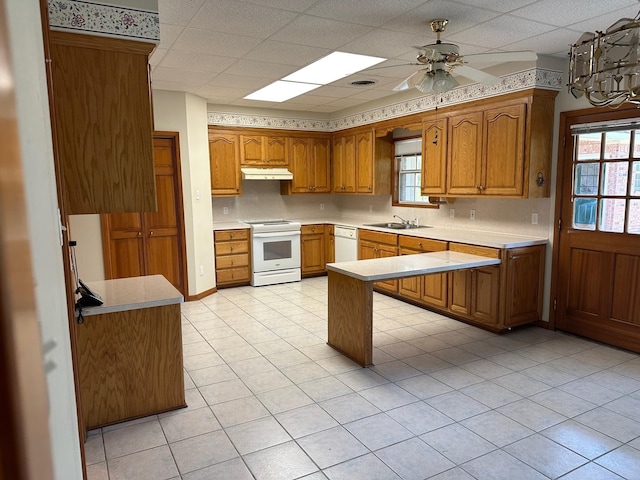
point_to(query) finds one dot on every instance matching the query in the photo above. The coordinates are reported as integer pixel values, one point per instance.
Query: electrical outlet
(225, 210)
(452, 213)
(534, 219)
(322, 206)
(197, 194)
(370, 208)
(472, 215)
(202, 270)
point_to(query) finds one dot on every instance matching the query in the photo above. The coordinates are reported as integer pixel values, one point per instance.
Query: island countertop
(387, 268)
(132, 293)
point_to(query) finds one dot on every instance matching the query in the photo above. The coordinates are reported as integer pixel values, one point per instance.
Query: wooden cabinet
(232, 257)
(310, 164)
(330, 239)
(434, 157)
(426, 289)
(464, 154)
(362, 163)
(312, 250)
(103, 123)
(524, 284)
(224, 161)
(378, 245)
(264, 150)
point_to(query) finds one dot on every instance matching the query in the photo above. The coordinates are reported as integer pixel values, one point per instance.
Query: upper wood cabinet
(224, 160)
(264, 150)
(498, 148)
(310, 164)
(434, 156)
(103, 123)
(361, 163)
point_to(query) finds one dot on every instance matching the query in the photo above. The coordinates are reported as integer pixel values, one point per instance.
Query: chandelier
(605, 66)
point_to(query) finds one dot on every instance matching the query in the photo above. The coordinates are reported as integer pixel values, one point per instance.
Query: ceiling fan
(443, 60)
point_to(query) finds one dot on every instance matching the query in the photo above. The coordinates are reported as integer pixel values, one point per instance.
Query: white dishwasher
(346, 240)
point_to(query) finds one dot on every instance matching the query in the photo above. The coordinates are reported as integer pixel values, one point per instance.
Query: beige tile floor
(268, 399)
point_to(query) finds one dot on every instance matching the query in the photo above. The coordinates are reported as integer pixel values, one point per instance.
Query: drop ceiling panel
(178, 12)
(572, 11)
(222, 44)
(179, 75)
(372, 13)
(252, 68)
(499, 5)
(239, 81)
(229, 92)
(292, 5)
(197, 62)
(234, 16)
(501, 31)
(550, 43)
(320, 32)
(168, 35)
(286, 53)
(605, 21)
(383, 43)
(157, 56)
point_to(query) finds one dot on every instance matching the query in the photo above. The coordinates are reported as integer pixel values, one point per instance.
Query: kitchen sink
(396, 225)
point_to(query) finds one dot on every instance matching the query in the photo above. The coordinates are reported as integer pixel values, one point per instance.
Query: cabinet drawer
(422, 244)
(228, 248)
(378, 237)
(475, 250)
(230, 261)
(226, 235)
(232, 275)
(310, 229)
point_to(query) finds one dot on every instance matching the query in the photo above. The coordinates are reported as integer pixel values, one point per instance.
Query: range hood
(266, 174)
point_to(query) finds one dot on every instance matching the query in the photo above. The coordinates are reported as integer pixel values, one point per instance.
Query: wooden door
(276, 151)
(251, 150)
(364, 162)
(151, 243)
(312, 249)
(299, 165)
(224, 161)
(598, 211)
(503, 162)
(163, 228)
(465, 154)
(524, 286)
(320, 151)
(485, 284)
(434, 157)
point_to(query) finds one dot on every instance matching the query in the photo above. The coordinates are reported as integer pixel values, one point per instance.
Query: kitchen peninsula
(350, 324)
(130, 351)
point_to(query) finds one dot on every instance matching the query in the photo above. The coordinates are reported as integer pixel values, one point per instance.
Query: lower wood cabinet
(232, 257)
(378, 245)
(427, 289)
(312, 250)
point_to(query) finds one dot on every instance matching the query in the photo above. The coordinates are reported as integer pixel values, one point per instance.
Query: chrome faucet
(404, 222)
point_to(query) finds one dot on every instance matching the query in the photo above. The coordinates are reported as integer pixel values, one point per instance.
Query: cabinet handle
(139, 234)
(231, 249)
(420, 244)
(231, 235)
(150, 234)
(514, 257)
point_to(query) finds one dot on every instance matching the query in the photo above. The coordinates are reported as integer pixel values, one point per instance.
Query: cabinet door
(337, 164)
(465, 154)
(503, 163)
(224, 159)
(525, 277)
(330, 252)
(485, 283)
(251, 150)
(364, 162)
(383, 252)
(320, 148)
(349, 165)
(127, 254)
(104, 127)
(276, 151)
(434, 290)
(434, 157)
(460, 292)
(299, 164)
(367, 250)
(410, 287)
(313, 253)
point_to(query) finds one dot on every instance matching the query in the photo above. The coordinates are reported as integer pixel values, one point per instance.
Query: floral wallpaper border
(535, 77)
(96, 18)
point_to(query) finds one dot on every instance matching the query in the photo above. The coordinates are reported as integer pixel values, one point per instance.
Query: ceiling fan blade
(410, 81)
(476, 75)
(501, 57)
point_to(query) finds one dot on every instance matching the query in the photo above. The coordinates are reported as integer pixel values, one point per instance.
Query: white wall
(37, 156)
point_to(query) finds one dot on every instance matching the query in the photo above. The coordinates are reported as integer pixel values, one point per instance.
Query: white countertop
(389, 268)
(470, 237)
(132, 293)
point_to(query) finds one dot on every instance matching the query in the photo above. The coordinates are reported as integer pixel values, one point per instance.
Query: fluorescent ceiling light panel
(279, 91)
(333, 67)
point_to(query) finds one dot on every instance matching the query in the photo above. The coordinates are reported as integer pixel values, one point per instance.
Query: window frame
(396, 171)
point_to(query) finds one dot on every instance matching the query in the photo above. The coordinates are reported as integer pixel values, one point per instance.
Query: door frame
(568, 118)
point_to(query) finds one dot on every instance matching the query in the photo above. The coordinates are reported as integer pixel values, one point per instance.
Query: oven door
(275, 251)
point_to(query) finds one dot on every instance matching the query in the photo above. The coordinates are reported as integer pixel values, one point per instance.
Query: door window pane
(587, 178)
(633, 225)
(588, 147)
(635, 181)
(612, 215)
(614, 178)
(584, 213)
(617, 144)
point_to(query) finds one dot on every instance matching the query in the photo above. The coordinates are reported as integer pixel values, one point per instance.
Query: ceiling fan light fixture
(443, 82)
(425, 85)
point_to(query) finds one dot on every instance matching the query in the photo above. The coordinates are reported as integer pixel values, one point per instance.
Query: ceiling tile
(258, 69)
(157, 56)
(324, 109)
(286, 53)
(572, 11)
(319, 32)
(222, 44)
(346, 102)
(239, 81)
(180, 75)
(178, 12)
(197, 62)
(368, 95)
(331, 91)
(234, 16)
(604, 21)
(547, 43)
(168, 35)
(501, 31)
(383, 43)
(309, 99)
(499, 5)
(293, 5)
(373, 13)
(208, 91)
